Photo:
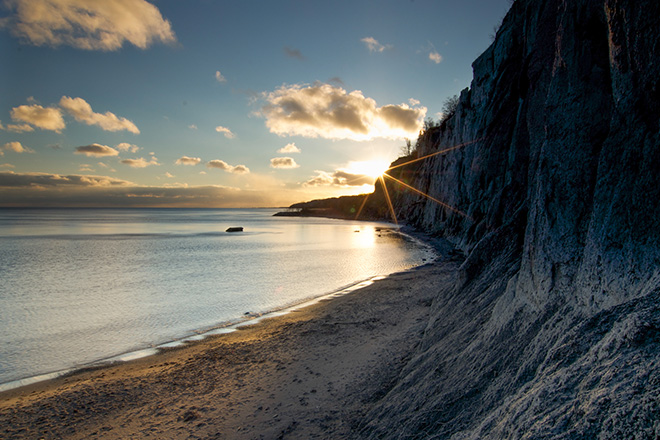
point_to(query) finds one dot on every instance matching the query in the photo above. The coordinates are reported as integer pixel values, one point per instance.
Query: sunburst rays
(386, 175)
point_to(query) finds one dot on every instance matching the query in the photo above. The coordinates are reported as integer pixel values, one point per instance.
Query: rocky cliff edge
(553, 327)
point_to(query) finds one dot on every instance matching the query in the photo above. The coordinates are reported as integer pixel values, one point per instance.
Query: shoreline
(308, 373)
(221, 328)
(21, 376)
(199, 335)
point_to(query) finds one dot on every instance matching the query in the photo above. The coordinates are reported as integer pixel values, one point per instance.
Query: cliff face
(553, 328)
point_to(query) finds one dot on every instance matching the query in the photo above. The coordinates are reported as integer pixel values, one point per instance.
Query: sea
(80, 287)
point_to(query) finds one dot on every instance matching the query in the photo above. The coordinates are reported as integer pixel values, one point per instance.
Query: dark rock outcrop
(553, 327)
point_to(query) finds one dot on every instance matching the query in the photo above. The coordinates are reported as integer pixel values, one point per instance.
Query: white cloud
(185, 160)
(140, 162)
(289, 148)
(374, 46)
(19, 128)
(91, 25)
(224, 130)
(15, 147)
(82, 112)
(96, 150)
(435, 57)
(340, 178)
(44, 118)
(240, 169)
(323, 110)
(322, 178)
(283, 163)
(124, 146)
(219, 77)
(222, 165)
(192, 127)
(169, 175)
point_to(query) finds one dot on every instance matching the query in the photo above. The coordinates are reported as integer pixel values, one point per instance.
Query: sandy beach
(312, 373)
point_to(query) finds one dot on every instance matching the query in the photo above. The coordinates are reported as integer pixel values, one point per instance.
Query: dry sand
(312, 373)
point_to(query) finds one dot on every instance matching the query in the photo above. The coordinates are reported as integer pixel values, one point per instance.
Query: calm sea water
(81, 285)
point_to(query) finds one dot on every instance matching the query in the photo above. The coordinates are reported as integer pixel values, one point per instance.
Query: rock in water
(235, 229)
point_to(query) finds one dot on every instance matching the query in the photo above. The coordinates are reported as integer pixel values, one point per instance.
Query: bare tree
(407, 149)
(449, 107)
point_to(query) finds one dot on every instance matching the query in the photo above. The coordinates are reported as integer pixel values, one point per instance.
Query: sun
(372, 168)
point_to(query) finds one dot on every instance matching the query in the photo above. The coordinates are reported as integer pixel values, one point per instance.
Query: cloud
(185, 160)
(221, 164)
(336, 81)
(124, 146)
(283, 163)
(326, 111)
(15, 147)
(109, 168)
(289, 148)
(240, 169)
(169, 175)
(219, 77)
(435, 57)
(293, 53)
(192, 127)
(82, 112)
(96, 150)
(52, 190)
(19, 128)
(44, 118)
(339, 178)
(90, 25)
(9, 179)
(140, 162)
(374, 46)
(224, 130)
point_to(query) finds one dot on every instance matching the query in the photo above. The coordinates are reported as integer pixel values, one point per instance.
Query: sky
(204, 103)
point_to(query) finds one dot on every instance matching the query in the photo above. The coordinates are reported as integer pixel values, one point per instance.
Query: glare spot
(372, 168)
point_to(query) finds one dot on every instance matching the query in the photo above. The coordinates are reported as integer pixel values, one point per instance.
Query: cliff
(553, 327)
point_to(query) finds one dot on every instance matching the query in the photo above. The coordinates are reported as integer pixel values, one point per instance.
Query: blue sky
(221, 103)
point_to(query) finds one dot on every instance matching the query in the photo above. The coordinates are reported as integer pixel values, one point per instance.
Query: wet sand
(312, 373)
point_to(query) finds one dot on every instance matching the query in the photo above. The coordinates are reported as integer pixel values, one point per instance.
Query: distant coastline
(359, 207)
